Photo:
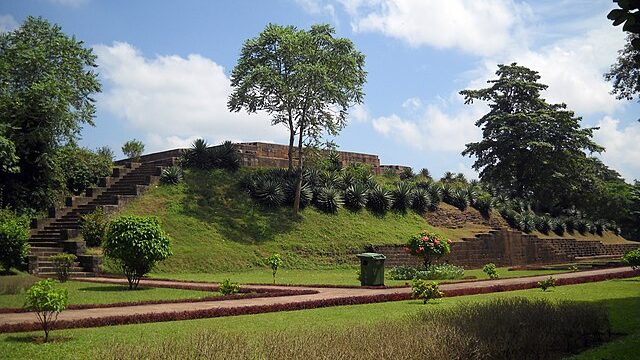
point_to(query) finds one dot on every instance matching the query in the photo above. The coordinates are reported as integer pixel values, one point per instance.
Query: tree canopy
(530, 149)
(305, 79)
(47, 79)
(625, 73)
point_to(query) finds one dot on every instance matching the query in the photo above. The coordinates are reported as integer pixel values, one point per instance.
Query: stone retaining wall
(510, 248)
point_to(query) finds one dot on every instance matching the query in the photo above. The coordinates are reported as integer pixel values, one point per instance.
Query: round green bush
(632, 258)
(14, 237)
(136, 243)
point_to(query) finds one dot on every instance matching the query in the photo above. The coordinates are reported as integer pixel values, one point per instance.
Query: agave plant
(571, 224)
(269, 191)
(290, 185)
(527, 221)
(544, 224)
(424, 172)
(345, 180)
(472, 194)
(171, 175)
(447, 192)
(407, 174)
(421, 201)
(378, 200)
(484, 203)
(225, 156)
(329, 199)
(436, 192)
(313, 177)
(583, 226)
(459, 199)
(401, 196)
(511, 217)
(355, 197)
(198, 156)
(558, 226)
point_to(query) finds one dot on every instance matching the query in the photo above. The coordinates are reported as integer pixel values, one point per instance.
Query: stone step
(52, 274)
(49, 244)
(52, 269)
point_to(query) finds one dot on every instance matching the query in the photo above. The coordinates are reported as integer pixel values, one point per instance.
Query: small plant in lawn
(441, 272)
(94, 227)
(136, 243)
(14, 240)
(275, 261)
(574, 268)
(171, 175)
(429, 246)
(402, 272)
(227, 287)
(133, 149)
(548, 283)
(62, 263)
(425, 290)
(632, 258)
(47, 302)
(491, 270)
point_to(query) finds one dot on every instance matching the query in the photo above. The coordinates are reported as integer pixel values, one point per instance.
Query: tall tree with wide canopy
(46, 82)
(305, 79)
(625, 73)
(530, 149)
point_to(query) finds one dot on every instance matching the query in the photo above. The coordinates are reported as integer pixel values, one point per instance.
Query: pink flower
(406, 250)
(425, 238)
(421, 248)
(436, 241)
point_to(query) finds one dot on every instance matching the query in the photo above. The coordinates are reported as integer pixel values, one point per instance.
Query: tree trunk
(292, 139)
(296, 201)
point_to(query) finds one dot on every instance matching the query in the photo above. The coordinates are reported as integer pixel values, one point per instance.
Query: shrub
(401, 196)
(600, 226)
(329, 199)
(290, 184)
(82, 168)
(436, 191)
(355, 196)
(402, 272)
(471, 192)
(136, 243)
(424, 172)
(198, 156)
(632, 258)
(548, 283)
(63, 263)
(459, 198)
(132, 149)
(425, 290)
(441, 272)
(407, 174)
(544, 224)
(484, 203)
(171, 175)
(378, 200)
(14, 240)
(47, 302)
(224, 156)
(269, 191)
(228, 288)
(429, 246)
(558, 226)
(274, 261)
(106, 153)
(526, 221)
(491, 270)
(94, 227)
(421, 201)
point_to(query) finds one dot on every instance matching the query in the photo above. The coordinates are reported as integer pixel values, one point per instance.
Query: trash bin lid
(374, 256)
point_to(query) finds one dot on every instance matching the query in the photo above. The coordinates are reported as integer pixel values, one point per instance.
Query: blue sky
(165, 67)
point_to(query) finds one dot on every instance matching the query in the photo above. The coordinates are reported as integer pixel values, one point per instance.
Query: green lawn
(342, 276)
(95, 293)
(621, 297)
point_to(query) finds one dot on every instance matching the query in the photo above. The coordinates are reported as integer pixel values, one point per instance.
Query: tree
(530, 149)
(305, 80)
(274, 261)
(137, 243)
(47, 302)
(132, 149)
(14, 239)
(47, 81)
(625, 73)
(629, 15)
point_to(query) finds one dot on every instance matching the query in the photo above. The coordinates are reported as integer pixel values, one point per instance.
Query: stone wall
(511, 248)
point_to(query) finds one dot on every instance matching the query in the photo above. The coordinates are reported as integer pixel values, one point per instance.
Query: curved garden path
(322, 293)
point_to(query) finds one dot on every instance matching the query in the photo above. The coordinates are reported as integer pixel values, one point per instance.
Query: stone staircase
(58, 232)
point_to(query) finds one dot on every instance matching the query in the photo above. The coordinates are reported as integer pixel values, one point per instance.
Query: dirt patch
(450, 217)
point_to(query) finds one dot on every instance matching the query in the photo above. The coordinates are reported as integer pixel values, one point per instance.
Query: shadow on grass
(215, 197)
(33, 339)
(113, 288)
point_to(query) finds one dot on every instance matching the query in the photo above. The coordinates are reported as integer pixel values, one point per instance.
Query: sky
(165, 67)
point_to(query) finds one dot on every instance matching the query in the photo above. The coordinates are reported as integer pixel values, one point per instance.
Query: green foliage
(105, 153)
(94, 227)
(329, 199)
(544, 224)
(133, 149)
(425, 290)
(224, 156)
(136, 243)
(274, 261)
(558, 226)
(407, 174)
(628, 15)
(62, 263)
(47, 302)
(491, 270)
(484, 203)
(531, 149)
(548, 283)
(269, 192)
(632, 258)
(228, 288)
(198, 156)
(424, 172)
(14, 239)
(428, 245)
(171, 175)
(355, 196)
(378, 200)
(81, 168)
(48, 82)
(441, 272)
(625, 72)
(526, 221)
(421, 201)
(402, 272)
(402, 196)
(459, 199)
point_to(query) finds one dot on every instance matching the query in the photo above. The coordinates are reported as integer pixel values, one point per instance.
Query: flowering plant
(429, 245)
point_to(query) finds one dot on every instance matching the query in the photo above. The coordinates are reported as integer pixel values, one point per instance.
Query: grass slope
(620, 297)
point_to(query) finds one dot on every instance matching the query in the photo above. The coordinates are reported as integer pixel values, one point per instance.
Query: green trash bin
(371, 269)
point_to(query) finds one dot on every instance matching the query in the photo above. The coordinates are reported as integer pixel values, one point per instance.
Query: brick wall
(510, 248)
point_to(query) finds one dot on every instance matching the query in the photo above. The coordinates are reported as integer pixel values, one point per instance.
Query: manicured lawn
(95, 293)
(621, 297)
(343, 276)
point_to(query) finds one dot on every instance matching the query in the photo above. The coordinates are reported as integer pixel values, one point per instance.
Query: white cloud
(434, 130)
(317, 7)
(7, 23)
(69, 3)
(359, 113)
(175, 99)
(413, 103)
(481, 27)
(622, 146)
